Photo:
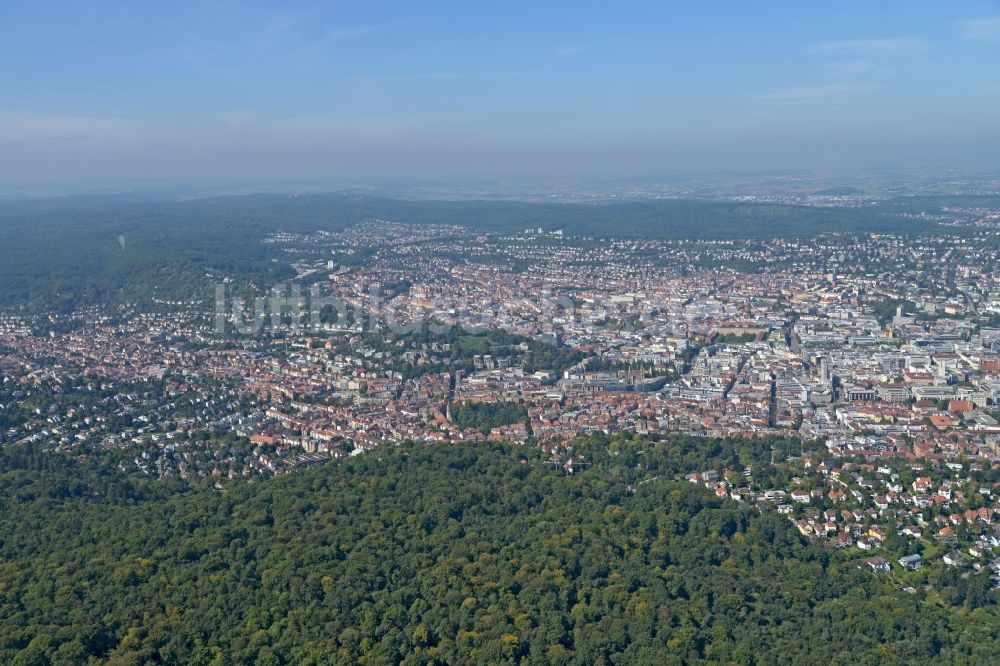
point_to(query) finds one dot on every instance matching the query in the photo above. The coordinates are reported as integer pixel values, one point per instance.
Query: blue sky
(232, 89)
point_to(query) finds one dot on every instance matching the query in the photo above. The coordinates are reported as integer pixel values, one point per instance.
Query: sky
(281, 90)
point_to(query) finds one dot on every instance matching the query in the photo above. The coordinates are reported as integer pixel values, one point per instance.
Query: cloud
(872, 46)
(821, 94)
(356, 32)
(981, 29)
(849, 68)
(562, 53)
(25, 128)
(71, 136)
(458, 76)
(284, 23)
(448, 43)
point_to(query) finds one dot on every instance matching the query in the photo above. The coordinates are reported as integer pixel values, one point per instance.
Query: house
(878, 564)
(877, 533)
(945, 534)
(953, 559)
(910, 561)
(841, 540)
(960, 406)
(801, 496)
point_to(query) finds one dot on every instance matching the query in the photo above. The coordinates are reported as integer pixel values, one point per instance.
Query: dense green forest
(536, 355)
(449, 554)
(60, 253)
(484, 416)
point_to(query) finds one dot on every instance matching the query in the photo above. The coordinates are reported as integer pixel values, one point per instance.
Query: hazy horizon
(246, 91)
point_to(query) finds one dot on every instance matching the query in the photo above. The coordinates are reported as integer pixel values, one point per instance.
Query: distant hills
(844, 191)
(59, 253)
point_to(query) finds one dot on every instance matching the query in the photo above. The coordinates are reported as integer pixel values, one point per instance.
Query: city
(876, 352)
(499, 334)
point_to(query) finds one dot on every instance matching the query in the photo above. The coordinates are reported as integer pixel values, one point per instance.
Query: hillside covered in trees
(450, 554)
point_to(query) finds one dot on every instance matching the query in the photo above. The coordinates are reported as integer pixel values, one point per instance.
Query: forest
(484, 416)
(456, 554)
